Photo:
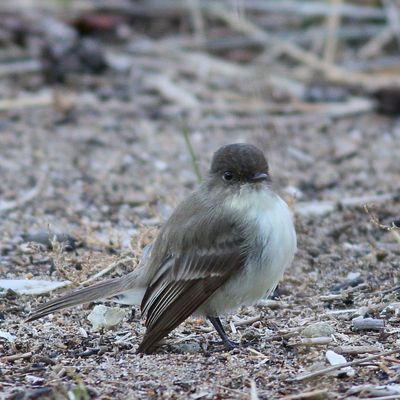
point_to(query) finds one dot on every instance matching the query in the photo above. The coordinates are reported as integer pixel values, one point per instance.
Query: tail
(98, 291)
(130, 289)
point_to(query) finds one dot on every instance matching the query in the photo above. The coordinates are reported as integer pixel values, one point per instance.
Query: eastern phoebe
(226, 245)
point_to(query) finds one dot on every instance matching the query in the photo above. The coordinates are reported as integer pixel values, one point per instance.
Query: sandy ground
(110, 172)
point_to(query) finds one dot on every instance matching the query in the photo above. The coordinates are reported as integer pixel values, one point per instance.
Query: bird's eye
(227, 176)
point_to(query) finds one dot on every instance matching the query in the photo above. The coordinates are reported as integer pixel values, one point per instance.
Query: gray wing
(185, 281)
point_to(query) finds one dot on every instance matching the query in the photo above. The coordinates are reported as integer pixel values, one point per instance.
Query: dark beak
(259, 177)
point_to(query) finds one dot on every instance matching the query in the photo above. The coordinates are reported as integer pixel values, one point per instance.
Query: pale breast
(273, 240)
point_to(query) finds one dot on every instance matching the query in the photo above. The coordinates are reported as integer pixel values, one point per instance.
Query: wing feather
(186, 284)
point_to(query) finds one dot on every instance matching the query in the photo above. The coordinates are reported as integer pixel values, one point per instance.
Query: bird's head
(238, 164)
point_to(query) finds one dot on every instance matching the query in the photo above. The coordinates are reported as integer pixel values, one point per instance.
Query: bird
(225, 246)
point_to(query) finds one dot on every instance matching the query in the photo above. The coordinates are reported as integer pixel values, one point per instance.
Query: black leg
(229, 344)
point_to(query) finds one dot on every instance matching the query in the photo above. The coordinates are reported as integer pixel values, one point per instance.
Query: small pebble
(105, 317)
(335, 359)
(391, 309)
(318, 329)
(189, 347)
(362, 312)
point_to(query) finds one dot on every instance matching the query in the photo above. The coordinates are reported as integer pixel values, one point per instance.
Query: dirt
(112, 167)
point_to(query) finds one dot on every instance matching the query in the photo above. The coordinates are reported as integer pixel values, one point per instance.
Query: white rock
(336, 359)
(352, 276)
(82, 332)
(34, 380)
(118, 62)
(160, 165)
(31, 286)
(105, 317)
(7, 336)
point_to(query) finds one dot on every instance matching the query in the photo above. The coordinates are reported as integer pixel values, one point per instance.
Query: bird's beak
(259, 177)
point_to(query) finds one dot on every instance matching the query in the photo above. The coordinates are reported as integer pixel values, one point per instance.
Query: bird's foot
(227, 344)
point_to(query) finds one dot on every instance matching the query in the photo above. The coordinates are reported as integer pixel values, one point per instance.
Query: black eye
(228, 176)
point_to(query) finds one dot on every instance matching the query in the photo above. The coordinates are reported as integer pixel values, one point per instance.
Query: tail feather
(98, 291)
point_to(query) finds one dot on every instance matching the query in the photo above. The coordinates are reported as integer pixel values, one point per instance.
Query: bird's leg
(229, 344)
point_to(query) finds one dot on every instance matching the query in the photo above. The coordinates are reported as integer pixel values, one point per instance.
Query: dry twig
(15, 357)
(247, 27)
(332, 31)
